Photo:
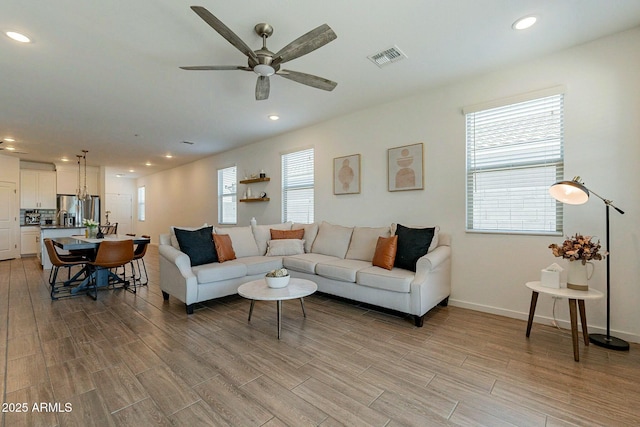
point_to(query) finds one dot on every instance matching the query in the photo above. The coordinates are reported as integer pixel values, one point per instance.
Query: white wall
(602, 131)
(10, 170)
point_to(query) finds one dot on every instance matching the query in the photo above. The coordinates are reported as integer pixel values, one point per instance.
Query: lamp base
(610, 342)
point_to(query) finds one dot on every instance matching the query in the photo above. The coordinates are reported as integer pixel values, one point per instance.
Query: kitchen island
(51, 232)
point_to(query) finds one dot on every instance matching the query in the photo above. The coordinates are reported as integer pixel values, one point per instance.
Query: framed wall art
(346, 174)
(405, 168)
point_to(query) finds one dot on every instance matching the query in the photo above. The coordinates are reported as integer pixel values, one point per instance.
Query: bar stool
(63, 261)
(111, 254)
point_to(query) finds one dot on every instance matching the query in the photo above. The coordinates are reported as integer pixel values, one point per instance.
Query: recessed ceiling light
(64, 159)
(168, 156)
(10, 148)
(524, 23)
(148, 164)
(18, 37)
(9, 140)
(131, 170)
(119, 175)
(274, 117)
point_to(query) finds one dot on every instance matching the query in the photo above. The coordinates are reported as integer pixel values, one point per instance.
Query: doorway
(120, 210)
(8, 221)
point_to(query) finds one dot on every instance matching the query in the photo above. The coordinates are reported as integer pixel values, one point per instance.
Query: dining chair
(59, 261)
(109, 229)
(111, 254)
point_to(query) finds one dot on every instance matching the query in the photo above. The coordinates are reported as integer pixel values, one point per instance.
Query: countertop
(59, 227)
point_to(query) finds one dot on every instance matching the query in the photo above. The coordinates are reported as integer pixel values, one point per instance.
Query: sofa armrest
(180, 259)
(430, 262)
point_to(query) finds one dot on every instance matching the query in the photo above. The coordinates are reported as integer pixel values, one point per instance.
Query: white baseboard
(565, 324)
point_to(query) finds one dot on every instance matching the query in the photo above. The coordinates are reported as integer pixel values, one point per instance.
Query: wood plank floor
(137, 360)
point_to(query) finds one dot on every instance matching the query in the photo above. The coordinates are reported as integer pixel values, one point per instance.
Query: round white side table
(573, 296)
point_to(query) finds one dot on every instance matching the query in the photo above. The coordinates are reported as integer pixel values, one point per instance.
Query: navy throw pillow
(412, 244)
(198, 245)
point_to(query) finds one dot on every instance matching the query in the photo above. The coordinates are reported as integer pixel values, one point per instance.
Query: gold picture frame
(405, 167)
(346, 174)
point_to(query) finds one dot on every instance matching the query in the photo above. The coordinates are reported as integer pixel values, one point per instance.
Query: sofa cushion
(286, 234)
(436, 233)
(305, 263)
(197, 244)
(224, 247)
(385, 255)
(262, 234)
(172, 233)
(332, 240)
(364, 240)
(260, 264)
(412, 244)
(244, 244)
(285, 247)
(341, 269)
(217, 272)
(397, 280)
(310, 233)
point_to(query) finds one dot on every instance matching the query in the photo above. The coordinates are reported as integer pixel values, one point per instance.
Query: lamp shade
(570, 192)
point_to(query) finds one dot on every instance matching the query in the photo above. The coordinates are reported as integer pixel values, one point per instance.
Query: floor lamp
(575, 193)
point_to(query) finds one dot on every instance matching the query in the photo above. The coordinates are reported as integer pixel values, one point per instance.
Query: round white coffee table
(573, 296)
(257, 290)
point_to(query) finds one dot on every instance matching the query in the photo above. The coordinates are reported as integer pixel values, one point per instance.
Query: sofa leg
(165, 296)
(419, 320)
(190, 308)
(444, 302)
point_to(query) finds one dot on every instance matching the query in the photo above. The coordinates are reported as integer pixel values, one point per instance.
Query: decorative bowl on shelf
(277, 278)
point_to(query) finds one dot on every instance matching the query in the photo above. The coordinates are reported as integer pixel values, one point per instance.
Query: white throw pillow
(285, 247)
(242, 240)
(364, 240)
(262, 234)
(310, 233)
(172, 233)
(332, 240)
(434, 241)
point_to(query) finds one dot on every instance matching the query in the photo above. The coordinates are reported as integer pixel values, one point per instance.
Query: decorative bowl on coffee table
(277, 282)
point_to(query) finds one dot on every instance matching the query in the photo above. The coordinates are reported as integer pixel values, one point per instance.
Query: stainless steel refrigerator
(71, 210)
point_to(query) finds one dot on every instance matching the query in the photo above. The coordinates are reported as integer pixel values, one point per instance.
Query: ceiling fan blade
(308, 79)
(224, 31)
(217, 67)
(262, 88)
(309, 42)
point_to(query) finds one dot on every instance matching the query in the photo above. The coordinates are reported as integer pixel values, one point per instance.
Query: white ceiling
(104, 76)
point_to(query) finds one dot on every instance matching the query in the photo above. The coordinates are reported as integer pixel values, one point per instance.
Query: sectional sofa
(337, 258)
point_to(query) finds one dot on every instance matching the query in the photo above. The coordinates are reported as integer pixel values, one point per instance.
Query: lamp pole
(607, 340)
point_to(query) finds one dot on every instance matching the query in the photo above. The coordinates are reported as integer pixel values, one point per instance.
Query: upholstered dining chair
(59, 261)
(111, 254)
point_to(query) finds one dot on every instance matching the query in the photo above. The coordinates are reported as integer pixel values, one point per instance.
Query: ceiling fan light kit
(265, 63)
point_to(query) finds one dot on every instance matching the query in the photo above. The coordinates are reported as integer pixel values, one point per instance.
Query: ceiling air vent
(387, 56)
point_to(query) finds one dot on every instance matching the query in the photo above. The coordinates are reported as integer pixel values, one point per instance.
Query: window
(514, 154)
(141, 203)
(227, 188)
(297, 186)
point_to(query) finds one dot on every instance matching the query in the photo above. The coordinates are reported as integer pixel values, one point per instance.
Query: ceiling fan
(265, 63)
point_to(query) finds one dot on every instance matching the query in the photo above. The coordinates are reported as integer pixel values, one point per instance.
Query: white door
(8, 221)
(121, 209)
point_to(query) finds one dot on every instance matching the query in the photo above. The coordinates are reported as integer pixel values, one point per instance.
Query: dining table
(91, 245)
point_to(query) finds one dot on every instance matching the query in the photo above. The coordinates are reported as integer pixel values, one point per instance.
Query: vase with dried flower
(580, 251)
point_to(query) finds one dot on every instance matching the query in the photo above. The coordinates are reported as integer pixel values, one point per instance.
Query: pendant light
(79, 187)
(85, 193)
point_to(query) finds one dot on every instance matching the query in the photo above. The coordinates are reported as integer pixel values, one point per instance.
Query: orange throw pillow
(385, 254)
(224, 248)
(287, 234)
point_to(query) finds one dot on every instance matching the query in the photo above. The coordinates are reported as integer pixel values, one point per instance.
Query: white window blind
(227, 189)
(297, 186)
(141, 203)
(514, 154)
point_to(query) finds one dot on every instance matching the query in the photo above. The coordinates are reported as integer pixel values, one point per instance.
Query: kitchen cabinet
(29, 240)
(67, 179)
(37, 189)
